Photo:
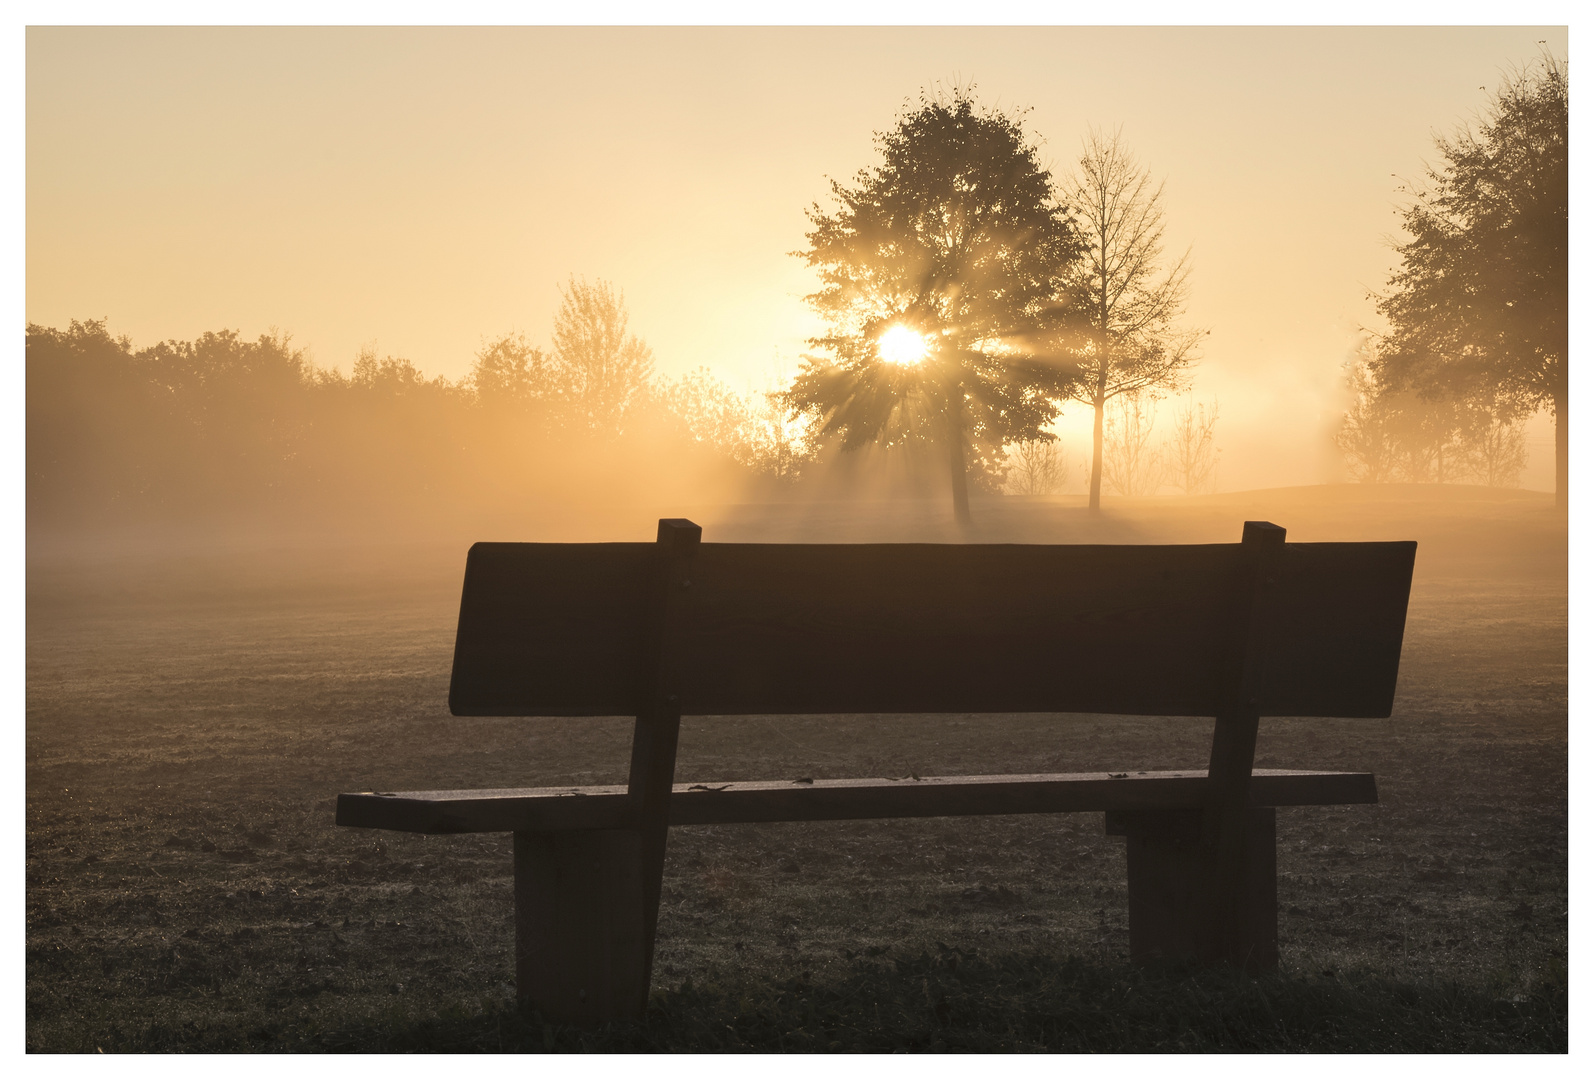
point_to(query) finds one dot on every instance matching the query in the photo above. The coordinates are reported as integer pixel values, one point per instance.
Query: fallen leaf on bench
(722, 787)
(1117, 776)
(803, 780)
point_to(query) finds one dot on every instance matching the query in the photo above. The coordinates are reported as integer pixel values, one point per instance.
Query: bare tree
(1130, 463)
(1502, 453)
(1128, 302)
(1367, 435)
(1035, 467)
(604, 370)
(1192, 451)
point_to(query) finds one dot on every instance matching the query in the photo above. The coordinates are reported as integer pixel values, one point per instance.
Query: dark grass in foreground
(955, 1001)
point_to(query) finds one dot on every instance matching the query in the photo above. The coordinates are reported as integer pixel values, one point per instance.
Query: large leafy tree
(955, 239)
(1478, 309)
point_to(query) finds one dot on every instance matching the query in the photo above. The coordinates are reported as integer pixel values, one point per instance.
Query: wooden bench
(1231, 631)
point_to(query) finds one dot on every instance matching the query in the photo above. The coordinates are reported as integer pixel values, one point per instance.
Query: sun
(899, 345)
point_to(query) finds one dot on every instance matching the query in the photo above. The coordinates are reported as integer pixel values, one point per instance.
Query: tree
(512, 373)
(932, 266)
(1502, 453)
(1129, 461)
(1478, 308)
(752, 429)
(1367, 435)
(602, 369)
(1395, 433)
(1129, 305)
(1036, 466)
(1192, 452)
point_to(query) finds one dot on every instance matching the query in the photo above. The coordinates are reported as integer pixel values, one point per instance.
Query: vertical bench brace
(587, 901)
(1202, 883)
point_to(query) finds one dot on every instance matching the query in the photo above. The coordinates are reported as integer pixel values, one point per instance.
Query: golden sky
(423, 189)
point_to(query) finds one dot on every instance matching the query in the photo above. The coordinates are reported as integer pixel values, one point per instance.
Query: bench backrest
(563, 629)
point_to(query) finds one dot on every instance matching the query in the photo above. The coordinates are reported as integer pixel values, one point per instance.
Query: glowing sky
(422, 189)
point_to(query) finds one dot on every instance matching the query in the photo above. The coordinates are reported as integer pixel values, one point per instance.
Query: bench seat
(608, 807)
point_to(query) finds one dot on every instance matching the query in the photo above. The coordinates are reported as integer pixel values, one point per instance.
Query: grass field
(194, 708)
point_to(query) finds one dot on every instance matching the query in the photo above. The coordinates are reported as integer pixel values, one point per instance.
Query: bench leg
(581, 948)
(1171, 914)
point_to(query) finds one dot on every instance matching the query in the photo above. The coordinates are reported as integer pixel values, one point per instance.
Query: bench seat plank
(605, 807)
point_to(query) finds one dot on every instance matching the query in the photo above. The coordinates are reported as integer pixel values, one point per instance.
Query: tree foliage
(1477, 311)
(601, 370)
(227, 428)
(955, 234)
(1401, 435)
(511, 373)
(753, 429)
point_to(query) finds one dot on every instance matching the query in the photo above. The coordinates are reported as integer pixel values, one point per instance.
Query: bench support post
(1227, 822)
(587, 902)
(579, 926)
(1171, 890)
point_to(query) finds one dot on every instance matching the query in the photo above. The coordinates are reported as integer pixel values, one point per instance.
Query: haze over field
(309, 312)
(423, 192)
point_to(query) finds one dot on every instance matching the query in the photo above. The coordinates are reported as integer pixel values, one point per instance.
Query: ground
(195, 705)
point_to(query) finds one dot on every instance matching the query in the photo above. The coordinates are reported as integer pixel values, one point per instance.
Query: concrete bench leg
(581, 949)
(1170, 916)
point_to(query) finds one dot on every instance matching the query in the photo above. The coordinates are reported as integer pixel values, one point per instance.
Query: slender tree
(603, 369)
(1131, 463)
(1036, 467)
(1478, 309)
(932, 264)
(1192, 453)
(1129, 304)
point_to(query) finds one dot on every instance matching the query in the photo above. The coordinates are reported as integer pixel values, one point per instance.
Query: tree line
(1477, 311)
(968, 294)
(223, 424)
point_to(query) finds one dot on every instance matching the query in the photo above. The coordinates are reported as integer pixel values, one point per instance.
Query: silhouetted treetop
(601, 369)
(956, 230)
(956, 237)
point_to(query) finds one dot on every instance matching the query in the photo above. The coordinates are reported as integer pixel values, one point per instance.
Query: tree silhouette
(1128, 303)
(1395, 433)
(1192, 452)
(1131, 463)
(512, 374)
(957, 237)
(602, 369)
(1478, 308)
(1036, 467)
